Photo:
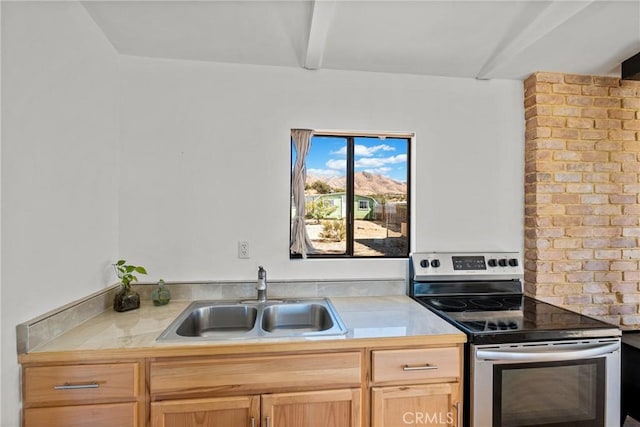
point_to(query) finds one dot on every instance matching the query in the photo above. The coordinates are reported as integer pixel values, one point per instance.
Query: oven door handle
(510, 355)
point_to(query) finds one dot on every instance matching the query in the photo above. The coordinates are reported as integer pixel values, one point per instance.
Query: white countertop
(369, 317)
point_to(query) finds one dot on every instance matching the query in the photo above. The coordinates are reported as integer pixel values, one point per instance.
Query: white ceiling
(506, 39)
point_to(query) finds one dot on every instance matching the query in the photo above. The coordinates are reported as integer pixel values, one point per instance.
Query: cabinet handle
(253, 422)
(268, 422)
(458, 414)
(425, 367)
(69, 386)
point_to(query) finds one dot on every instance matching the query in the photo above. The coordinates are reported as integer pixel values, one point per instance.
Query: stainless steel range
(527, 363)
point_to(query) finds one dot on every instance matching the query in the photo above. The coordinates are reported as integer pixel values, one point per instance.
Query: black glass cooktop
(475, 303)
(514, 318)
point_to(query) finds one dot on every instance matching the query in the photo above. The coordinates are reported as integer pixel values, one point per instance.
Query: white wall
(59, 168)
(170, 163)
(1, 51)
(206, 161)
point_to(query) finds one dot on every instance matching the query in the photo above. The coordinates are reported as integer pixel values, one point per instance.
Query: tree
(321, 187)
(320, 209)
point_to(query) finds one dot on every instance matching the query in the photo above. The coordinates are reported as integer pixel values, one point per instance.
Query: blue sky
(387, 157)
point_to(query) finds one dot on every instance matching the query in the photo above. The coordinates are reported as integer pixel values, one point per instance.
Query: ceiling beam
(551, 17)
(321, 17)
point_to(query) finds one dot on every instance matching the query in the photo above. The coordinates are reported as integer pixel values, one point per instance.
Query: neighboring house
(364, 206)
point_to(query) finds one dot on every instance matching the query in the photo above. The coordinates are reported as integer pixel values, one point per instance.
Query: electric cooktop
(513, 318)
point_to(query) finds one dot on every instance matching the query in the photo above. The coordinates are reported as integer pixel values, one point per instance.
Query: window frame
(350, 196)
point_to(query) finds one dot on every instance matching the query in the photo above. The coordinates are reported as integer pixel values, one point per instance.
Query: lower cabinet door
(328, 408)
(241, 411)
(423, 405)
(105, 415)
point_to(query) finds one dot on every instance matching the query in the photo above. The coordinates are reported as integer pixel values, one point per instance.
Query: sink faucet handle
(262, 278)
(261, 286)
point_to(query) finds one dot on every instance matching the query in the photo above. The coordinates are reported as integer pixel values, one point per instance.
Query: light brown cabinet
(96, 395)
(244, 375)
(290, 390)
(240, 411)
(429, 404)
(103, 415)
(327, 408)
(358, 386)
(416, 387)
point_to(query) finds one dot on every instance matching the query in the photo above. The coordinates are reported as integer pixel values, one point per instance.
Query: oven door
(551, 384)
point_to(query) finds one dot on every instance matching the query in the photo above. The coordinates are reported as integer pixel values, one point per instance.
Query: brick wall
(582, 194)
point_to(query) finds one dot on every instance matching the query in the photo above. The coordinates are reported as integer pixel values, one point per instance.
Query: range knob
(435, 263)
(502, 262)
(424, 263)
(492, 262)
(513, 262)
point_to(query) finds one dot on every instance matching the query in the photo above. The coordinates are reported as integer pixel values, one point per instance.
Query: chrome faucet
(261, 285)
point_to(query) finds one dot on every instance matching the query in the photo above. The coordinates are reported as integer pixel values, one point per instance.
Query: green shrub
(319, 209)
(333, 230)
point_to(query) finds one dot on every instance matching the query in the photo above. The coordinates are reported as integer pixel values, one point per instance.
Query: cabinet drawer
(106, 415)
(415, 365)
(254, 374)
(54, 385)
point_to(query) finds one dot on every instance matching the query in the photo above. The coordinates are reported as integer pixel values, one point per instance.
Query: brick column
(582, 190)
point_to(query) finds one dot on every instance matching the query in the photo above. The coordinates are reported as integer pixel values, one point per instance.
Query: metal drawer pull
(253, 422)
(459, 414)
(268, 422)
(69, 386)
(425, 367)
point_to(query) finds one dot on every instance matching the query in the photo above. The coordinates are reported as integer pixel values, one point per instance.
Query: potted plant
(126, 299)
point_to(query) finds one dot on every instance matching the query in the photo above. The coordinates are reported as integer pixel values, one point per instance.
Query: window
(356, 195)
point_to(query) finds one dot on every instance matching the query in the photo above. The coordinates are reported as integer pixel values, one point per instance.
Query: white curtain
(300, 241)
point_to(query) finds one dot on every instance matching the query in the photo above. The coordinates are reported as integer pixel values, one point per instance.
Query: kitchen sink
(299, 317)
(210, 320)
(218, 320)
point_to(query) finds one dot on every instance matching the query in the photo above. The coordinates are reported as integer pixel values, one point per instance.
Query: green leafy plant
(320, 209)
(126, 273)
(321, 187)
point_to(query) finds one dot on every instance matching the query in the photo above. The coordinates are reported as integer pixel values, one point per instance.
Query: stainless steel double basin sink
(219, 320)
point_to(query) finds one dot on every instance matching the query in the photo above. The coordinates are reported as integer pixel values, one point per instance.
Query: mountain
(365, 183)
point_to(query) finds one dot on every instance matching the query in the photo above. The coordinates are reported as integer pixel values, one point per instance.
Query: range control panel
(452, 265)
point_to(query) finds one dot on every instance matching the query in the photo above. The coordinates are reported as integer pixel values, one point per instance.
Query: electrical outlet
(243, 249)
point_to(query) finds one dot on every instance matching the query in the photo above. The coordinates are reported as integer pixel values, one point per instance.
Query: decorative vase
(126, 300)
(161, 295)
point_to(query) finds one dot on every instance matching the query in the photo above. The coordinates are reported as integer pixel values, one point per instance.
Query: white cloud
(322, 172)
(364, 151)
(377, 162)
(379, 171)
(337, 164)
